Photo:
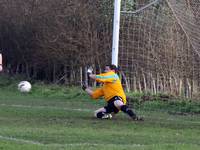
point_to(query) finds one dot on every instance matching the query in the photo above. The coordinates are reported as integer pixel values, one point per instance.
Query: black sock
(128, 111)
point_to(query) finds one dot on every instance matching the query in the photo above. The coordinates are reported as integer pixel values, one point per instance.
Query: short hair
(113, 67)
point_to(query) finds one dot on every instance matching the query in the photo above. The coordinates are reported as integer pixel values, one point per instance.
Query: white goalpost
(116, 27)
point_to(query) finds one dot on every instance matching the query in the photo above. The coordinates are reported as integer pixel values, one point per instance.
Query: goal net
(159, 49)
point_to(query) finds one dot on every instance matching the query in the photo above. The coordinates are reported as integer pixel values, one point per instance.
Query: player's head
(111, 68)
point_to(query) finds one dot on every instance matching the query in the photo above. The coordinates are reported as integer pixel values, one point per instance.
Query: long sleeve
(103, 78)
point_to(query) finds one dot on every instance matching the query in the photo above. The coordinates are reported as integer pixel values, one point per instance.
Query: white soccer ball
(24, 86)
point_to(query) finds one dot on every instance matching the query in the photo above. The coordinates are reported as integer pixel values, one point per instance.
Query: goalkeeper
(113, 93)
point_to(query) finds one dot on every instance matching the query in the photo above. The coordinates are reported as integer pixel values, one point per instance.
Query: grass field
(62, 119)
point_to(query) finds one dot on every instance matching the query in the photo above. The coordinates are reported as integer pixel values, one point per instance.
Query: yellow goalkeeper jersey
(111, 86)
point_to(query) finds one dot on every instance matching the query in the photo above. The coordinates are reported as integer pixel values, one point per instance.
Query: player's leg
(121, 106)
(111, 110)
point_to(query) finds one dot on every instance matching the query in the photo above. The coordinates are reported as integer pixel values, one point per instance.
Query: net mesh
(159, 46)
(188, 17)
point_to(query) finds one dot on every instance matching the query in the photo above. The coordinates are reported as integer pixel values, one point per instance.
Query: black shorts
(111, 106)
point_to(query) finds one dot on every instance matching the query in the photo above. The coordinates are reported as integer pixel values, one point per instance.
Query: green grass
(52, 117)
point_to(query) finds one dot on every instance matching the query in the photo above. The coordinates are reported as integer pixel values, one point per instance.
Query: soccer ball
(24, 86)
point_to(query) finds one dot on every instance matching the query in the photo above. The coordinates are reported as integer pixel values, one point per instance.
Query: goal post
(116, 27)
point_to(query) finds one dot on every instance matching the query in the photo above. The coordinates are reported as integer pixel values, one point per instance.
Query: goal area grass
(53, 117)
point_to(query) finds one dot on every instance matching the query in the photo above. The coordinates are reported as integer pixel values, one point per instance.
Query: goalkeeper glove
(90, 70)
(84, 86)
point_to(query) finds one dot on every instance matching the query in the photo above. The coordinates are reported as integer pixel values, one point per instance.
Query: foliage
(55, 41)
(45, 39)
(164, 102)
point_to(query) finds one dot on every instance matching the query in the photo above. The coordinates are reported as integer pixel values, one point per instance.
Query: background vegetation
(55, 41)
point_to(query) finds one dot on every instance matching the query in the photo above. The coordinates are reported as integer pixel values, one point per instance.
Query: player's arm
(92, 76)
(102, 77)
(94, 94)
(106, 78)
(89, 91)
(97, 93)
